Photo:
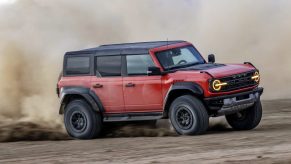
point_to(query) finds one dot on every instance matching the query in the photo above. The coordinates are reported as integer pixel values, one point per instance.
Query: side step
(132, 117)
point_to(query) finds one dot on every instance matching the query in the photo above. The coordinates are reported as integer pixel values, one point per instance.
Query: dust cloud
(34, 35)
(29, 131)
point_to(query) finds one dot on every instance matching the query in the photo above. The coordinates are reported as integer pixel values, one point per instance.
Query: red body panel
(146, 95)
(149, 92)
(82, 81)
(110, 94)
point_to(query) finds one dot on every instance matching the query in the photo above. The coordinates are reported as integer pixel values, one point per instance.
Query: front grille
(238, 81)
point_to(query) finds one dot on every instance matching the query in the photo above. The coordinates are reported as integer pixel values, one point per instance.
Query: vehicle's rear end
(57, 87)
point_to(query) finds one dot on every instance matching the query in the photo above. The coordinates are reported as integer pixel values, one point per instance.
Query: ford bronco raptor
(155, 80)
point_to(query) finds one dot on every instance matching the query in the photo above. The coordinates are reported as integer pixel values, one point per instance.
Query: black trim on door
(123, 66)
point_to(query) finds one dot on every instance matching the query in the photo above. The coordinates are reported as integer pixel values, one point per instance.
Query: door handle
(97, 86)
(130, 85)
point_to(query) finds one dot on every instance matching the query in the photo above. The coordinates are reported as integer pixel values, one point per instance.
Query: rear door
(107, 83)
(142, 93)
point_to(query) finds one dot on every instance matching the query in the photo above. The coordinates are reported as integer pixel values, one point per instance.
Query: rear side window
(108, 66)
(78, 65)
(138, 64)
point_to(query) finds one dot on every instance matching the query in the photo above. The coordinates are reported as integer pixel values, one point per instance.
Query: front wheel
(247, 119)
(188, 115)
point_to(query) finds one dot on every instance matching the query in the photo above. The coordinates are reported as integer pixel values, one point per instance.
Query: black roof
(125, 48)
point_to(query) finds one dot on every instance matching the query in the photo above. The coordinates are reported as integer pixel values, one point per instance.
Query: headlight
(217, 85)
(256, 77)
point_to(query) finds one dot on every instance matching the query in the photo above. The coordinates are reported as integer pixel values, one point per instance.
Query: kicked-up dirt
(270, 142)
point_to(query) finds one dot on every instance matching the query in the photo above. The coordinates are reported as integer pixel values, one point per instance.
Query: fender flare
(192, 87)
(86, 93)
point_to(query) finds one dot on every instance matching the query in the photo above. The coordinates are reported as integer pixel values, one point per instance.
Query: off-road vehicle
(155, 80)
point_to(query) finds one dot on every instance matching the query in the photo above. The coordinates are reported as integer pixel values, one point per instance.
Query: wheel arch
(71, 93)
(179, 89)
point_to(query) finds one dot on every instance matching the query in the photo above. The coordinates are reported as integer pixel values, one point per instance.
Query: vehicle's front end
(233, 93)
(226, 89)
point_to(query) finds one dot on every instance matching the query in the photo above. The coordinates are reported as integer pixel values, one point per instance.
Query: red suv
(155, 80)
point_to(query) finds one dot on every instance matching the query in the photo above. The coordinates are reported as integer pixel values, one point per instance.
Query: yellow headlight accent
(217, 84)
(256, 77)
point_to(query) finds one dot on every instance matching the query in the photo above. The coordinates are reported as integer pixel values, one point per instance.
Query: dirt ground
(269, 143)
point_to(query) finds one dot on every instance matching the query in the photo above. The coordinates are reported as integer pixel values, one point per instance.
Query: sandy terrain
(269, 143)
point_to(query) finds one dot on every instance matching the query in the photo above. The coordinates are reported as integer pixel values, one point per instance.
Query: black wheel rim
(184, 117)
(241, 115)
(78, 121)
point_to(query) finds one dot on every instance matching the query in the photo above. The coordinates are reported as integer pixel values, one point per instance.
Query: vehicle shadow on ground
(219, 128)
(141, 130)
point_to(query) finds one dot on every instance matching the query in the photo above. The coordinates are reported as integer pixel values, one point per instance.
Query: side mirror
(211, 58)
(154, 71)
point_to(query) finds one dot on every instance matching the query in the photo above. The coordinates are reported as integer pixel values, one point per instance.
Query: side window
(78, 65)
(138, 64)
(108, 66)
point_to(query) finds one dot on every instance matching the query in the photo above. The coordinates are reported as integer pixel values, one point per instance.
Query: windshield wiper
(183, 66)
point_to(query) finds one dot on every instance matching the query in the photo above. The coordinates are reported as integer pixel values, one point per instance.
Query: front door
(142, 93)
(108, 84)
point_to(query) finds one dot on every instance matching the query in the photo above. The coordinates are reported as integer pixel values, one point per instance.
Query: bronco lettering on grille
(238, 81)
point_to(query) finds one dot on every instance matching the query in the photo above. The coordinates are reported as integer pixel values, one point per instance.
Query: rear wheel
(81, 121)
(188, 115)
(247, 119)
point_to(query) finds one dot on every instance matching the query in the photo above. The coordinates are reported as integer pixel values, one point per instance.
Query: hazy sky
(4, 2)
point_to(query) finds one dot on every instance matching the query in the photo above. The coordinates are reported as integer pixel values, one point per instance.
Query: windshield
(179, 58)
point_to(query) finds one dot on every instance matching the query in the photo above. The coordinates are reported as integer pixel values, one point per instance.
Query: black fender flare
(191, 87)
(67, 92)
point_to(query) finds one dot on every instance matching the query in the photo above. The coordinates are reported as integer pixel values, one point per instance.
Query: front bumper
(229, 104)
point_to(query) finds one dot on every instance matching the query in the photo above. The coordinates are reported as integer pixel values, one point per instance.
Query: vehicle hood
(221, 70)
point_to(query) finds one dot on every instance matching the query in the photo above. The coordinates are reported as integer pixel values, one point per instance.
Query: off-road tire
(247, 119)
(188, 105)
(78, 113)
